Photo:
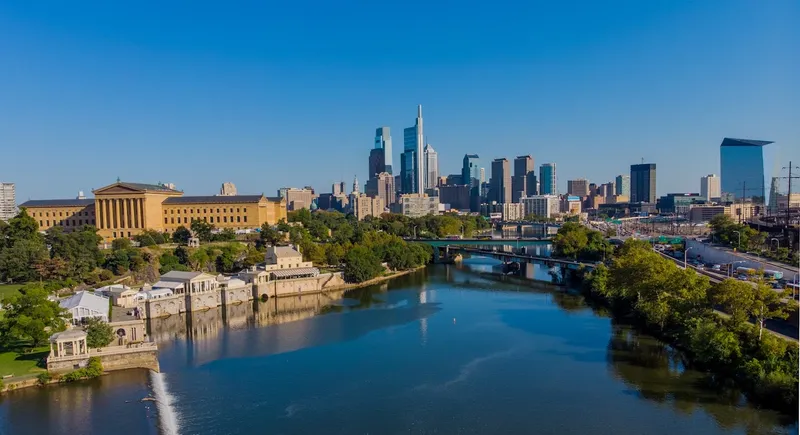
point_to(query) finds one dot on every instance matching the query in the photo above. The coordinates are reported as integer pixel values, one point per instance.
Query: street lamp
(740, 239)
(685, 251)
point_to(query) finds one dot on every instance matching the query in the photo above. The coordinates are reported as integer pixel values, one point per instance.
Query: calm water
(445, 351)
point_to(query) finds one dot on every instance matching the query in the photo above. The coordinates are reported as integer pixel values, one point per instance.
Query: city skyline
(660, 82)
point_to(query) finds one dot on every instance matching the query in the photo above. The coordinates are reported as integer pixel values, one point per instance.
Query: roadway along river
(447, 350)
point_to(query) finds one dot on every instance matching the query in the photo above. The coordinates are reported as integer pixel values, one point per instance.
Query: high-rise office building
(548, 183)
(623, 186)
(746, 168)
(523, 165)
(431, 166)
(710, 187)
(338, 188)
(500, 185)
(227, 189)
(383, 140)
(643, 183)
(578, 187)
(411, 159)
(377, 163)
(8, 201)
(382, 186)
(531, 184)
(470, 170)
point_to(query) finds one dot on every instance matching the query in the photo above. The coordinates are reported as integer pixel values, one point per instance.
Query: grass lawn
(18, 364)
(8, 289)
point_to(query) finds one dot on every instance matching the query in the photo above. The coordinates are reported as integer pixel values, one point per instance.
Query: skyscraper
(523, 165)
(411, 159)
(382, 186)
(746, 168)
(709, 187)
(578, 187)
(383, 140)
(8, 201)
(643, 183)
(377, 163)
(500, 185)
(470, 170)
(431, 164)
(548, 183)
(623, 185)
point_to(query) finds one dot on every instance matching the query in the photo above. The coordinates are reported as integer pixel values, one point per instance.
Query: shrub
(92, 370)
(44, 378)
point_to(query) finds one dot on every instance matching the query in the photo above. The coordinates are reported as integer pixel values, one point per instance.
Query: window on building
(225, 219)
(172, 212)
(165, 220)
(245, 210)
(184, 211)
(212, 219)
(191, 210)
(237, 210)
(48, 223)
(61, 213)
(205, 219)
(41, 224)
(115, 234)
(217, 210)
(80, 221)
(47, 214)
(129, 233)
(66, 224)
(245, 218)
(224, 210)
(165, 212)
(238, 218)
(93, 222)
(172, 220)
(184, 219)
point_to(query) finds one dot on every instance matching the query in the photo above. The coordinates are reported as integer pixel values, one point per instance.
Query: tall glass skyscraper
(411, 160)
(470, 170)
(622, 185)
(643, 183)
(431, 161)
(383, 140)
(548, 184)
(746, 168)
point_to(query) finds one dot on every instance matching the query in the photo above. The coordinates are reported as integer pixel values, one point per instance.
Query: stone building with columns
(123, 210)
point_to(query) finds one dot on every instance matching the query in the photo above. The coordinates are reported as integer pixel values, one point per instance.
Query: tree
(98, 333)
(570, 240)
(120, 244)
(17, 259)
(269, 236)
(361, 264)
(181, 235)
(31, 317)
(225, 262)
(182, 254)
(767, 304)
(202, 229)
(334, 253)
(226, 235)
(735, 298)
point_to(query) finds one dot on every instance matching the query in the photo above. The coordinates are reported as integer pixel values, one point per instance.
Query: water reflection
(58, 409)
(214, 334)
(656, 372)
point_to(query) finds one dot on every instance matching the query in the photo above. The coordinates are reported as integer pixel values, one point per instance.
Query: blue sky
(271, 94)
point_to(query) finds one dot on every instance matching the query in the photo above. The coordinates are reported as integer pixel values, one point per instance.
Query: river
(446, 350)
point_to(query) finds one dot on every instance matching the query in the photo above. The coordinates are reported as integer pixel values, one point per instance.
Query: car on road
(717, 267)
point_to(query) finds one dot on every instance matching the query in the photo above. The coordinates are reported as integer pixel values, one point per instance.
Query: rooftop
(86, 300)
(214, 199)
(146, 186)
(179, 275)
(285, 251)
(69, 334)
(58, 203)
(122, 314)
(732, 142)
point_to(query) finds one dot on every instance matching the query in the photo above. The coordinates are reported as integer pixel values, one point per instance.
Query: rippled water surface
(448, 350)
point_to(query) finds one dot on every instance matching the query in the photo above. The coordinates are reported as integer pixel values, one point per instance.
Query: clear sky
(271, 94)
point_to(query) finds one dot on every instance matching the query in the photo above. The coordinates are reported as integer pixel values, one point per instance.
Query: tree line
(678, 305)
(742, 236)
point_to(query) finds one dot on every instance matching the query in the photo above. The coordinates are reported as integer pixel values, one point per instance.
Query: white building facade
(546, 206)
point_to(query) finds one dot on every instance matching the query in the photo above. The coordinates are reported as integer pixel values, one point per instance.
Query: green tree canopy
(31, 317)
(98, 333)
(361, 264)
(181, 235)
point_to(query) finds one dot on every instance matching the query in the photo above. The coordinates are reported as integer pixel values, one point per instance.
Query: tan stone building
(364, 206)
(126, 209)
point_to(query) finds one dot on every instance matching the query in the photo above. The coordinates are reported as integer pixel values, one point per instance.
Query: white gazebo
(71, 342)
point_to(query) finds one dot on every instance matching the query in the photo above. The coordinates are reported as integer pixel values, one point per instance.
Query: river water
(447, 350)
